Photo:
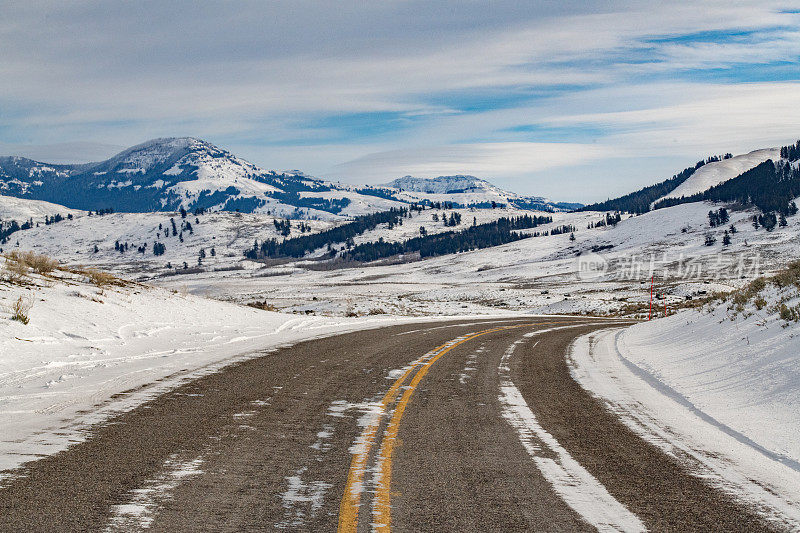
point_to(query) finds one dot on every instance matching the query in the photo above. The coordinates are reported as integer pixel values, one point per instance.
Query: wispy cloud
(337, 87)
(491, 160)
(65, 153)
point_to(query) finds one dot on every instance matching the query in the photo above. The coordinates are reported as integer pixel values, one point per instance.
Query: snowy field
(540, 274)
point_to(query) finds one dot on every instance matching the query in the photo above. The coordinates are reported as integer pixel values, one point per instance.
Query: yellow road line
(383, 491)
(351, 499)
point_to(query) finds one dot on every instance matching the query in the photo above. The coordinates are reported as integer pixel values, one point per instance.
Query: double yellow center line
(351, 500)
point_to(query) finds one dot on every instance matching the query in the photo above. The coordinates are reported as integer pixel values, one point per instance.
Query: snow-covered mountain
(173, 173)
(165, 175)
(444, 184)
(469, 190)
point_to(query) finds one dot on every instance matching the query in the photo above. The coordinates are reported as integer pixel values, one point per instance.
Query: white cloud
(688, 118)
(250, 72)
(490, 160)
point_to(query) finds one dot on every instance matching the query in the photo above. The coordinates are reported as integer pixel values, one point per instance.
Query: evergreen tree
(768, 221)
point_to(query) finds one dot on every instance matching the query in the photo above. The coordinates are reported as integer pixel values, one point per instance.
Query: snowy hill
(173, 173)
(20, 209)
(221, 236)
(717, 172)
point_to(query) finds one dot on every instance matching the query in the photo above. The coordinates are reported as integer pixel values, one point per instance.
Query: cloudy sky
(573, 100)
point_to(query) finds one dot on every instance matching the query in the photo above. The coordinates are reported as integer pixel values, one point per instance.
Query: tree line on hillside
(452, 221)
(8, 227)
(500, 231)
(718, 218)
(331, 205)
(639, 202)
(300, 246)
(557, 230)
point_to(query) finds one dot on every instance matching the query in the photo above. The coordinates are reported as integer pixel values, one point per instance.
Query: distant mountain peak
(152, 153)
(441, 184)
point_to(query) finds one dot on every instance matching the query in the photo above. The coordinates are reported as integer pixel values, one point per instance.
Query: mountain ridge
(171, 173)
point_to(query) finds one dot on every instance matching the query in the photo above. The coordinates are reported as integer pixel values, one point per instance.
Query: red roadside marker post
(650, 314)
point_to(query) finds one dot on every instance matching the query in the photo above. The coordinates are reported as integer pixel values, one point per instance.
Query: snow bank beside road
(721, 395)
(745, 373)
(86, 344)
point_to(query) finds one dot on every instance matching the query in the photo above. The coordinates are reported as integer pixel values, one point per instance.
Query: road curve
(445, 426)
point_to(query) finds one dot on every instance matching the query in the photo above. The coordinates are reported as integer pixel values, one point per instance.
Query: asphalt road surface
(447, 426)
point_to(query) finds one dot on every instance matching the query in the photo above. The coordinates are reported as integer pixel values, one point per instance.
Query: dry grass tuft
(264, 306)
(39, 263)
(786, 278)
(20, 310)
(100, 278)
(789, 276)
(15, 272)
